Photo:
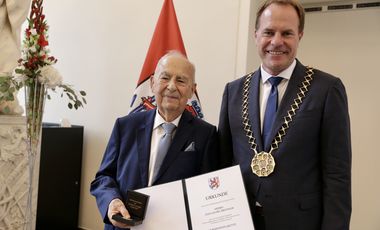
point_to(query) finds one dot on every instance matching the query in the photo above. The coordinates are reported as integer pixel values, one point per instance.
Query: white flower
(19, 77)
(23, 56)
(33, 49)
(33, 31)
(50, 76)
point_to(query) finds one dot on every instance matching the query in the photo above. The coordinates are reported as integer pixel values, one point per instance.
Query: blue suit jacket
(126, 159)
(310, 187)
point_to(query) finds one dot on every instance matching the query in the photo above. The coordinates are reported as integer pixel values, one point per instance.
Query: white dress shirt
(265, 87)
(157, 133)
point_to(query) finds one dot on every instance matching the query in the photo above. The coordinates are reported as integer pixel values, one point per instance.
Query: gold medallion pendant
(263, 164)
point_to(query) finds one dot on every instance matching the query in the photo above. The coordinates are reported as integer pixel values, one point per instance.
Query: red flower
(42, 41)
(28, 33)
(52, 59)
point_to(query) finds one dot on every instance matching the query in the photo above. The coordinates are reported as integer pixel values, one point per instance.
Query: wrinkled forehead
(176, 65)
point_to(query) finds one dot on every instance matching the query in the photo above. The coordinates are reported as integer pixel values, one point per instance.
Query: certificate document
(212, 201)
(217, 200)
(166, 208)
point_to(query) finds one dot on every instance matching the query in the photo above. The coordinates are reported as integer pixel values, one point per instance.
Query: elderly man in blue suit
(288, 127)
(131, 157)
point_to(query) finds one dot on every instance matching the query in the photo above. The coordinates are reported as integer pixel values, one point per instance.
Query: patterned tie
(271, 109)
(163, 147)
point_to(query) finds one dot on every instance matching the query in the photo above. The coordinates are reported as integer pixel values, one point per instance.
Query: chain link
(287, 119)
(246, 122)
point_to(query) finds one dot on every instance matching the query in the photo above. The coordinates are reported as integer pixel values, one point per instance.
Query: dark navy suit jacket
(126, 159)
(310, 187)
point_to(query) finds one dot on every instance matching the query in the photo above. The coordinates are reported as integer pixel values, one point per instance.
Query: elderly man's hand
(117, 206)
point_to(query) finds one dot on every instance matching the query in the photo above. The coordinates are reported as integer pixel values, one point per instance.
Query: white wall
(101, 46)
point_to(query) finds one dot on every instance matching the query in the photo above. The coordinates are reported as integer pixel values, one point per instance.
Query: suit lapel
(290, 94)
(254, 108)
(182, 135)
(143, 138)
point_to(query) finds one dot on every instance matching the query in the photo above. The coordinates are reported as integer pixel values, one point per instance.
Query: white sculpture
(13, 13)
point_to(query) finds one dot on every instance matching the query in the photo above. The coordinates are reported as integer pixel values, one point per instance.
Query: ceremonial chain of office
(263, 163)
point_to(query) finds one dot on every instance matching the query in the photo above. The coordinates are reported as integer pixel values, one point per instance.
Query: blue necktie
(271, 109)
(163, 147)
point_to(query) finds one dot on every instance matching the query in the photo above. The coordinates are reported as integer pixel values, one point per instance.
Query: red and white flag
(166, 37)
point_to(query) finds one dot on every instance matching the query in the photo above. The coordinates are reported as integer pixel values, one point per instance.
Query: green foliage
(8, 86)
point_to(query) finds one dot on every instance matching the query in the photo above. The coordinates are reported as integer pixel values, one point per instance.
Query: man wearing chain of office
(288, 127)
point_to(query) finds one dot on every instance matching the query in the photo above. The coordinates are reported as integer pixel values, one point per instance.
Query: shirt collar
(159, 120)
(287, 73)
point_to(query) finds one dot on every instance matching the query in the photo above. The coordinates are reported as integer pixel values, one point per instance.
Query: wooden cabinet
(59, 177)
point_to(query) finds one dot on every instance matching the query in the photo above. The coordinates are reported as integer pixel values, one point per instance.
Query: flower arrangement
(36, 74)
(36, 64)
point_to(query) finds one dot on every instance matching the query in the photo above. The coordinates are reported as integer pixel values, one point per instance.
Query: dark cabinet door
(59, 177)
